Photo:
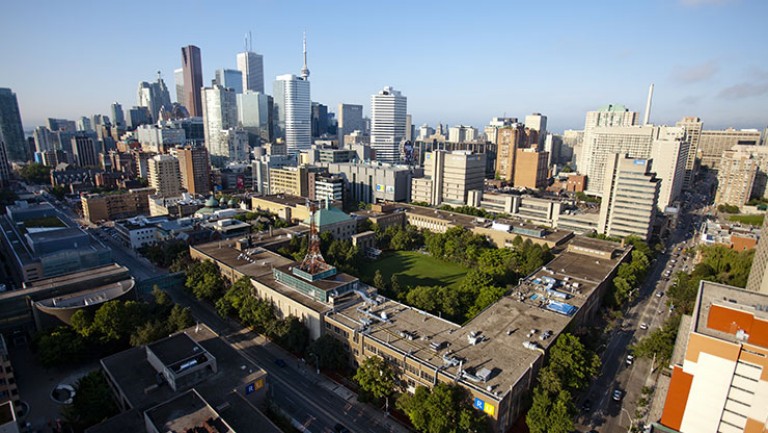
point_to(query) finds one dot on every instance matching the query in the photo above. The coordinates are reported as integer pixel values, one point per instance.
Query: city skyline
(444, 59)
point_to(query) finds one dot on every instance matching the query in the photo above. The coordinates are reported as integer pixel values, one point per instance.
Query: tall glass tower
(293, 112)
(192, 65)
(11, 131)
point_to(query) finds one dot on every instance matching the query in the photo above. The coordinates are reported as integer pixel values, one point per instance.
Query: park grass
(415, 269)
(754, 220)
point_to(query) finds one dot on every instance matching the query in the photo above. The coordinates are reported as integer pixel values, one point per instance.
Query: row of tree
(569, 369)
(164, 254)
(113, 327)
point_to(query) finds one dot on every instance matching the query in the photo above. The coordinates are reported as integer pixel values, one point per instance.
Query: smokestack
(648, 106)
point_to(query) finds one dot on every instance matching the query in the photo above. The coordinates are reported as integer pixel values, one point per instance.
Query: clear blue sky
(456, 61)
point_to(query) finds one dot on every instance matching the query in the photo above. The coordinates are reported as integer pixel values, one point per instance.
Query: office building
(758, 275)
(84, 149)
(630, 198)
(350, 119)
(669, 152)
(289, 180)
(388, 110)
(531, 169)
(5, 168)
(607, 116)
(82, 124)
(164, 176)
(138, 116)
(293, 112)
(229, 78)
(194, 169)
(251, 65)
(255, 114)
(538, 123)
(11, 130)
(735, 177)
(448, 177)
(178, 78)
(508, 140)
(119, 205)
(693, 128)
(160, 137)
(712, 144)
(325, 186)
(155, 97)
(373, 182)
(719, 364)
(319, 120)
(118, 117)
(192, 67)
(461, 134)
(66, 125)
(225, 143)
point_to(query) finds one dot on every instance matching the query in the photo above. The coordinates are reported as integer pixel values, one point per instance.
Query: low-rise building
(286, 207)
(9, 391)
(138, 232)
(116, 205)
(334, 221)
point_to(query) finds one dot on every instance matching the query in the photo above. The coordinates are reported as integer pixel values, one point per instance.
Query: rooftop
(732, 314)
(186, 412)
(284, 199)
(175, 348)
(326, 217)
(93, 296)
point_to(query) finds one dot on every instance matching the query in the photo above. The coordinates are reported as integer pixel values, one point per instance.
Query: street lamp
(631, 422)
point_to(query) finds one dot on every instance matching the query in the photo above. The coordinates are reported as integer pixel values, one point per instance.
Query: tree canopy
(376, 377)
(443, 409)
(92, 403)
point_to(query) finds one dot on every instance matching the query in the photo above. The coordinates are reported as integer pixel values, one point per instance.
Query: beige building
(631, 194)
(448, 177)
(194, 169)
(735, 177)
(286, 207)
(117, 205)
(669, 152)
(693, 128)
(758, 275)
(508, 140)
(712, 144)
(531, 170)
(289, 180)
(164, 175)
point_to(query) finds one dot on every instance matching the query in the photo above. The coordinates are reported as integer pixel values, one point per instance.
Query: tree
(204, 280)
(376, 377)
(571, 361)
(394, 284)
(59, 346)
(115, 321)
(443, 409)
(292, 335)
(378, 280)
(331, 353)
(660, 343)
(550, 413)
(149, 332)
(36, 173)
(179, 319)
(92, 403)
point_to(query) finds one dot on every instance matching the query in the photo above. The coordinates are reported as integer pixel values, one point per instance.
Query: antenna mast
(313, 261)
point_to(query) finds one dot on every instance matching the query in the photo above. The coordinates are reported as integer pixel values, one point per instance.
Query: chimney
(648, 106)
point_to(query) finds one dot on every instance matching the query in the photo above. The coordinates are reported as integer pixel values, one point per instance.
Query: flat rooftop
(82, 278)
(186, 412)
(456, 218)
(742, 302)
(175, 349)
(253, 262)
(502, 328)
(285, 199)
(94, 296)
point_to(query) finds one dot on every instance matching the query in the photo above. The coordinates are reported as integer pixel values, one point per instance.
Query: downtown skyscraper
(225, 142)
(154, 96)
(192, 67)
(293, 109)
(388, 112)
(11, 130)
(252, 67)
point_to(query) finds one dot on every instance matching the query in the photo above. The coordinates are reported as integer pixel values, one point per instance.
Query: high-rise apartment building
(758, 275)
(461, 134)
(669, 152)
(693, 128)
(350, 119)
(255, 114)
(225, 143)
(192, 67)
(508, 140)
(630, 197)
(84, 150)
(11, 130)
(164, 175)
(712, 144)
(229, 78)
(448, 177)
(194, 169)
(178, 78)
(293, 112)
(497, 122)
(607, 116)
(388, 110)
(118, 117)
(735, 177)
(531, 169)
(537, 122)
(252, 67)
(154, 96)
(719, 380)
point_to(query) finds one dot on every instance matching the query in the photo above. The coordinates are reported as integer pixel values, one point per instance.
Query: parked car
(659, 294)
(617, 394)
(630, 359)
(643, 326)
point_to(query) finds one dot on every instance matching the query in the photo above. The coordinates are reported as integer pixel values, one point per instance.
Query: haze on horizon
(457, 62)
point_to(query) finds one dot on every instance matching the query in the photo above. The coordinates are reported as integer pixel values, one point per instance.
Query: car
(643, 326)
(339, 428)
(587, 405)
(630, 359)
(280, 363)
(617, 394)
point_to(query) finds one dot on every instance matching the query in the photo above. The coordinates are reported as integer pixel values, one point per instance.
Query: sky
(457, 62)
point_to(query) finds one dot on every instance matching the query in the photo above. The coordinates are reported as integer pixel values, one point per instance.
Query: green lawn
(754, 220)
(414, 269)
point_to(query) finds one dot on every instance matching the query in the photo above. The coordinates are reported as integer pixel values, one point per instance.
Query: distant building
(508, 140)
(531, 169)
(123, 204)
(758, 274)
(537, 122)
(293, 112)
(255, 114)
(448, 177)
(230, 79)
(718, 378)
(251, 65)
(178, 78)
(84, 150)
(5, 168)
(193, 79)
(164, 175)
(693, 128)
(160, 137)
(194, 169)
(288, 180)
(225, 142)
(461, 134)
(609, 116)
(350, 119)
(630, 198)
(319, 119)
(490, 131)
(736, 178)
(372, 182)
(712, 144)
(388, 110)
(11, 129)
(325, 186)
(154, 96)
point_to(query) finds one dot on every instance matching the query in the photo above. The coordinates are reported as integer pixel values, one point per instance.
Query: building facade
(225, 142)
(712, 144)
(448, 177)
(230, 79)
(631, 195)
(388, 110)
(164, 175)
(293, 112)
(531, 168)
(194, 169)
(350, 119)
(192, 69)
(11, 129)
(693, 128)
(735, 178)
(251, 65)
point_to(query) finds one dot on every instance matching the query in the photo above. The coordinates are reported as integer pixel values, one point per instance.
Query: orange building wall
(677, 398)
(739, 243)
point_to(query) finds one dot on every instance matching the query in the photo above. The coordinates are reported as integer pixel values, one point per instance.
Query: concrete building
(693, 128)
(491, 131)
(230, 79)
(669, 152)
(251, 65)
(605, 117)
(388, 111)
(11, 129)
(735, 177)
(225, 143)
(537, 122)
(293, 112)
(192, 69)
(160, 138)
(758, 275)
(719, 364)
(122, 204)
(9, 391)
(155, 97)
(289, 180)
(255, 114)
(508, 140)
(164, 176)
(194, 169)
(461, 133)
(713, 143)
(448, 177)
(531, 169)
(372, 182)
(322, 186)
(350, 119)
(84, 149)
(631, 195)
